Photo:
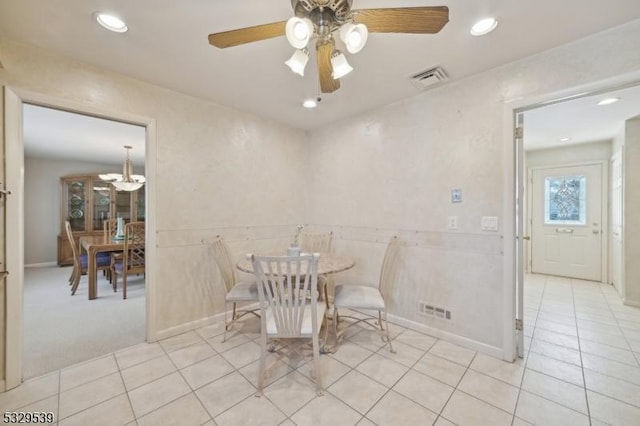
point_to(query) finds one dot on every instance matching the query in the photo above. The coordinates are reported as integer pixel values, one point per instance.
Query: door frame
(14, 98)
(604, 205)
(511, 107)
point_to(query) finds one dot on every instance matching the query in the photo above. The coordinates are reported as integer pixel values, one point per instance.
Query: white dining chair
(235, 291)
(319, 242)
(288, 291)
(363, 298)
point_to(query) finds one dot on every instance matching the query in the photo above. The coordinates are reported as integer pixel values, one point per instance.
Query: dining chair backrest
(110, 228)
(72, 242)
(316, 242)
(286, 286)
(389, 265)
(134, 247)
(222, 255)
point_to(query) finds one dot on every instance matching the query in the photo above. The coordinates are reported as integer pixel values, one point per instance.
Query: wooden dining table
(93, 245)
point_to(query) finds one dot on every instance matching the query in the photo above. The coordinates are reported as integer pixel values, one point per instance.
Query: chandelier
(126, 181)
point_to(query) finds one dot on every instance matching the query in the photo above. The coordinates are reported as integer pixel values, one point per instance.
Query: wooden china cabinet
(86, 201)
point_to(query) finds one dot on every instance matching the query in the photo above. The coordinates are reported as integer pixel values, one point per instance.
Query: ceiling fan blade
(247, 35)
(414, 20)
(323, 57)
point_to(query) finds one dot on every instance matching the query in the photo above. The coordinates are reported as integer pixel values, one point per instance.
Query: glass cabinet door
(75, 203)
(140, 205)
(123, 205)
(101, 204)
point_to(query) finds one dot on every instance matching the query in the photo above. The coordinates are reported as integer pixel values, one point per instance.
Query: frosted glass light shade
(354, 36)
(127, 186)
(340, 65)
(299, 31)
(298, 61)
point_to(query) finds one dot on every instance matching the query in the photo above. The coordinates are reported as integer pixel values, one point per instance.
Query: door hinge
(519, 325)
(519, 132)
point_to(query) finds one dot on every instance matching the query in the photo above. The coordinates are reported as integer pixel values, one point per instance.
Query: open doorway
(14, 100)
(64, 150)
(573, 198)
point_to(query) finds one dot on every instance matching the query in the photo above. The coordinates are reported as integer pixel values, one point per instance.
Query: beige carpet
(61, 330)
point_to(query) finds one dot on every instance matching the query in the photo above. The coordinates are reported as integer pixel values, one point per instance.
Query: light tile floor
(581, 367)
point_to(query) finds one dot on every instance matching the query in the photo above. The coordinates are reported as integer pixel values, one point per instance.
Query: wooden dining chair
(366, 298)
(110, 228)
(235, 291)
(289, 309)
(81, 261)
(133, 256)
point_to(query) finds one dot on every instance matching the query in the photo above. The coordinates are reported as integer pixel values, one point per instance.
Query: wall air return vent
(429, 78)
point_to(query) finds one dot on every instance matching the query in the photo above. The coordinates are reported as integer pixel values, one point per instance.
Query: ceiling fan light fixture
(299, 31)
(298, 61)
(354, 36)
(340, 65)
(484, 26)
(309, 103)
(111, 22)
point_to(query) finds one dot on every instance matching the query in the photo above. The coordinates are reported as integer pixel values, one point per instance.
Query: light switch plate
(452, 222)
(489, 223)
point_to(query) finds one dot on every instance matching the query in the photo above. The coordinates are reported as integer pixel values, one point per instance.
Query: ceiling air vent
(429, 78)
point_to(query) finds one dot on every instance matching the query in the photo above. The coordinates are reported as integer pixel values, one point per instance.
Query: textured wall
(390, 171)
(216, 168)
(382, 173)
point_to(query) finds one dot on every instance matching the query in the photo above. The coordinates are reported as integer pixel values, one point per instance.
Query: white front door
(566, 236)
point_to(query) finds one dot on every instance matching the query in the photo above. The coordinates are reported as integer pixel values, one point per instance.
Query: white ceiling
(582, 120)
(51, 133)
(167, 45)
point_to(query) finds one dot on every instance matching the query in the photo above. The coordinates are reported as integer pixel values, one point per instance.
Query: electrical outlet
(452, 222)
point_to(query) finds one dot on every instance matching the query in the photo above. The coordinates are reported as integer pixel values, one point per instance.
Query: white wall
(210, 171)
(631, 221)
(595, 151)
(390, 171)
(42, 204)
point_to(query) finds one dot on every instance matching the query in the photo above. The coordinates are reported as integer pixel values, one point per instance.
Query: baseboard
(41, 265)
(3, 385)
(465, 342)
(633, 303)
(193, 325)
(435, 332)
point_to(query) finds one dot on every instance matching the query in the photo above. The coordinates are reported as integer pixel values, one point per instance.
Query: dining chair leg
(124, 285)
(386, 328)
(263, 363)
(316, 364)
(226, 324)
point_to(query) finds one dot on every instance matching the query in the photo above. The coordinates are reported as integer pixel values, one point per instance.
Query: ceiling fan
(324, 20)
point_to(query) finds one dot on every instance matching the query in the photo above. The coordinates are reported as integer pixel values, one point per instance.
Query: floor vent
(428, 310)
(429, 78)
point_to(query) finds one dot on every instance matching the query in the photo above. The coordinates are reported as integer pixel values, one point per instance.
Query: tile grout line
(584, 379)
(526, 357)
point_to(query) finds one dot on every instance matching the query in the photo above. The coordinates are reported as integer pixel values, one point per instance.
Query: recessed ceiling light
(309, 103)
(608, 101)
(110, 22)
(484, 26)
(565, 139)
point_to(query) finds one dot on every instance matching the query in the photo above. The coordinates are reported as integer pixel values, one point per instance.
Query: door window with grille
(564, 198)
